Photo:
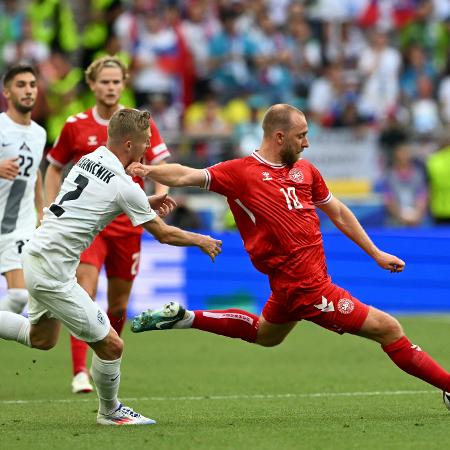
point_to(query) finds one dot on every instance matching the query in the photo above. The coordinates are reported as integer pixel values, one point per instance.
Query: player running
(273, 194)
(94, 192)
(22, 143)
(118, 245)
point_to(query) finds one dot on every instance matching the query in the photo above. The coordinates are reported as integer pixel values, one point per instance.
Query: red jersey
(274, 209)
(84, 133)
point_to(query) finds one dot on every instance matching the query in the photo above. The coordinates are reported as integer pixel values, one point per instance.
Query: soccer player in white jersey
(95, 191)
(22, 143)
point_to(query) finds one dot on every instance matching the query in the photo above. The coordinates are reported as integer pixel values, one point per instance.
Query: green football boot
(160, 319)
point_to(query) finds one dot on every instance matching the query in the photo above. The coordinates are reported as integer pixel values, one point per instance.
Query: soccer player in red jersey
(118, 245)
(273, 194)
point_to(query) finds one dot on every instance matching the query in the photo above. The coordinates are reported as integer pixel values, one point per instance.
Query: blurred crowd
(207, 69)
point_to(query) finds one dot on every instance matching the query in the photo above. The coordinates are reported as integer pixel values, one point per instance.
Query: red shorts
(329, 306)
(120, 255)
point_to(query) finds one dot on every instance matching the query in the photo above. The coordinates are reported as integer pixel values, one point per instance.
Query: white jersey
(25, 142)
(95, 191)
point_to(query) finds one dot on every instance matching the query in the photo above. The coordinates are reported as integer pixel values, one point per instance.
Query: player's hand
(212, 247)
(162, 204)
(389, 262)
(137, 169)
(9, 168)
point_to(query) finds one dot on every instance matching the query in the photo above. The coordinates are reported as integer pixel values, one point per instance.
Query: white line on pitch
(227, 397)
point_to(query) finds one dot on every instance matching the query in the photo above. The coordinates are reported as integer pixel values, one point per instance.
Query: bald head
(279, 117)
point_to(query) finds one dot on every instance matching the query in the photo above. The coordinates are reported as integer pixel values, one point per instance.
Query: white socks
(14, 327)
(187, 321)
(106, 376)
(14, 301)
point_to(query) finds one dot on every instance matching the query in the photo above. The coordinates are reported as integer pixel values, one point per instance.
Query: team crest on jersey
(25, 147)
(345, 306)
(266, 176)
(296, 175)
(92, 140)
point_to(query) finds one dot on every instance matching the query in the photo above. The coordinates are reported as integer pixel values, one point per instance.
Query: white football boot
(81, 383)
(123, 416)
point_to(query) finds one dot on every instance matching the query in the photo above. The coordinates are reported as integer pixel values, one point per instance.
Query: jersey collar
(256, 155)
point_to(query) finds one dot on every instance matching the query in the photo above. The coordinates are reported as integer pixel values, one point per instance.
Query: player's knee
(271, 341)
(42, 344)
(115, 347)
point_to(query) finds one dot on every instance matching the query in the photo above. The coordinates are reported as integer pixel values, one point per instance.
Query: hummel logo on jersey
(416, 347)
(266, 176)
(25, 147)
(92, 140)
(325, 306)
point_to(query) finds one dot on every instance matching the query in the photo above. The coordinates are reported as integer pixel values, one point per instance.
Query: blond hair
(279, 117)
(127, 122)
(97, 65)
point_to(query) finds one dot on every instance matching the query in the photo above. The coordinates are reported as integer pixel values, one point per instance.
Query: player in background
(272, 195)
(118, 245)
(22, 143)
(94, 192)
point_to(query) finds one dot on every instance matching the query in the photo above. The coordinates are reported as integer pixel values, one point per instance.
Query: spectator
(405, 189)
(380, 64)
(230, 51)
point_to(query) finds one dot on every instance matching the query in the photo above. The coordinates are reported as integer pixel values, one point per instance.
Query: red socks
(416, 362)
(80, 348)
(117, 322)
(234, 323)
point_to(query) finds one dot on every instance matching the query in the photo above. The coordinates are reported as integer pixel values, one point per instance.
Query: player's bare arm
(9, 168)
(174, 175)
(158, 187)
(39, 196)
(162, 204)
(346, 222)
(52, 183)
(167, 234)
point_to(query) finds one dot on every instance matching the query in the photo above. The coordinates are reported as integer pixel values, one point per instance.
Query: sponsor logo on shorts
(100, 317)
(296, 175)
(345, 306)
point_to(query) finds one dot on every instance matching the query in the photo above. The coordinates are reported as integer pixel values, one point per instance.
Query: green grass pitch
(317, 390)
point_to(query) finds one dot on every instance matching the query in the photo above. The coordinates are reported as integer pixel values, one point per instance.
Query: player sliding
(272, 195)
(95, 191)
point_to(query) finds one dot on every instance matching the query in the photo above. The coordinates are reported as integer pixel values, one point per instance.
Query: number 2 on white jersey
(291, 198)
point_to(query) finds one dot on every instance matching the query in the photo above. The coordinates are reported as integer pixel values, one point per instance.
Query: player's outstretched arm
(52, 183)
(346, 222)
(167, 234)
(174, 175)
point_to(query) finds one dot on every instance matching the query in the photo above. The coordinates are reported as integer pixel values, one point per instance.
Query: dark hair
(12, 71)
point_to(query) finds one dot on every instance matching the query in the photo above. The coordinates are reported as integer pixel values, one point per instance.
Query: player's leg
(91, 261)
(268, 330)
(17, 295)
(11, 267)
(119, 291)
(337, 310)
(386, 330)
(121, 266)
(42, 335)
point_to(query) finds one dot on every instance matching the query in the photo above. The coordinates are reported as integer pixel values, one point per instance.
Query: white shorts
(10, 252)
(65, 300)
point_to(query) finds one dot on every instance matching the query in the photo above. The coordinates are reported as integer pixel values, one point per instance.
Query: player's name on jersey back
(96, 169)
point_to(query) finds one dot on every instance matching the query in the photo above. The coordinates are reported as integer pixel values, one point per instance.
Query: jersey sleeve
(320, 192)
(62, 151)
(226, 178)
(158, 150)
(134, 203)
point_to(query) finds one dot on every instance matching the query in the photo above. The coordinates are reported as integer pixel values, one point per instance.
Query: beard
(23, 109)
(289, 155)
